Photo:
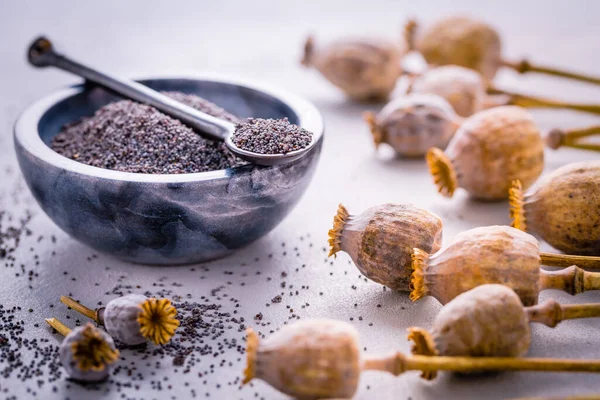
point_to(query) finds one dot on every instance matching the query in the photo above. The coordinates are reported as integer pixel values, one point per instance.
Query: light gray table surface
(262, 40)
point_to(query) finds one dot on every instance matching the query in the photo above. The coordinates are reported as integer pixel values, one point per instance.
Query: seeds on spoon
(133, 319)
(489, 150)
(495, 254)
(365, 69)
(270, 136)
(86, 353)
(490, 320)
(562, 208)
(381, 239)
(414, 123)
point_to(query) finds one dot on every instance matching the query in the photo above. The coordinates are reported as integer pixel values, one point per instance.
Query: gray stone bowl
(164, 219)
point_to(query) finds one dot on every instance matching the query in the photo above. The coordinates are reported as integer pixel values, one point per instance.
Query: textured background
(262, 40)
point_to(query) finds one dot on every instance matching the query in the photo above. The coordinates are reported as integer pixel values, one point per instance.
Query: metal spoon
(41, 53)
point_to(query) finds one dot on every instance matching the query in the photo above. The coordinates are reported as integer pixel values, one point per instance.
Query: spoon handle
(42, 54)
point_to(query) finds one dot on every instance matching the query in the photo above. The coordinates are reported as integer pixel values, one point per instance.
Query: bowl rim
(26, 132)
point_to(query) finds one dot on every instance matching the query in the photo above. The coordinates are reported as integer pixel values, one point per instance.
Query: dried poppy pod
(462, 87)
(86, 353)
(320, 359)
(413, 123)
(490, 150)
(312, 359)
(366, 70)
(133, 319)
(465, 89)
(563, 208)
(496, 254)
(473, 44)
(490, 320)
(380, 240)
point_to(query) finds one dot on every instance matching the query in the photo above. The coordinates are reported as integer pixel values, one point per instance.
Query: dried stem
(58, 326)
(538, 102)
(525, 66)
(557, 138)
(572, 280)
(398, 363)
(440, 167)
(566, 260)
(80, 308)
(309, 50)
(552, 313)
(251, 350)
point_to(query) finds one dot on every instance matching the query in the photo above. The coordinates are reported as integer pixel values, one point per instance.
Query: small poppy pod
(489, 150)
(462, 87)
(498, 254)
(490, 321)
(562, 208)
(464, 42)
(133, 319)
(491, 254)
(381, 239)
(365, 70)
(414, 123)
(312, 359)
(86, 353)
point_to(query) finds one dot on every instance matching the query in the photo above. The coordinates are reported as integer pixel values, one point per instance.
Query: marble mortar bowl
(164, 219)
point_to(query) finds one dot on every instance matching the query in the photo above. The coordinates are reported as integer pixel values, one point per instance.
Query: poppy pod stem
(525, 66)
(80, 308)
(525, 101)
(552, 313)
(58, 326)
(399, 363)
(572, 280)
(335, 234)
(566, 260)
(570, 138)
(376, 132)
(440, 167)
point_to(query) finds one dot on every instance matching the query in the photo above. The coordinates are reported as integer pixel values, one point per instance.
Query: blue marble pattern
(164, 219)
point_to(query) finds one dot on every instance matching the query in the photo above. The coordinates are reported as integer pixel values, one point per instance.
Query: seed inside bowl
(133, 137)
(270, 136)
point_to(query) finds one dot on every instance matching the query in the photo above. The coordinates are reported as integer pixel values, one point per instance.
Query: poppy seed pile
(270, 136)
(132, 137)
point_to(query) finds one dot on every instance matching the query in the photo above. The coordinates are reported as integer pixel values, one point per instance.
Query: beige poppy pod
(312, 359)
(563, 208)
(462, 41)
(462, 87)
(381, 239)
(490, 321)
(413, 123)
(489, 150)
(365, 69)
(496, 254)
